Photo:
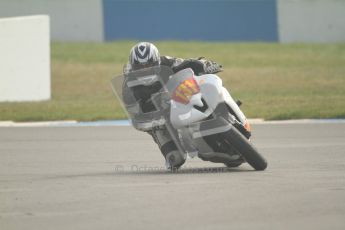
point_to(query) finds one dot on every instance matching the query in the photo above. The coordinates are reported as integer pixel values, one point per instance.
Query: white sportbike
(198, 112)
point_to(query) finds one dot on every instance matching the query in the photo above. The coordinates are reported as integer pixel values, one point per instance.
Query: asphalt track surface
(114, 178)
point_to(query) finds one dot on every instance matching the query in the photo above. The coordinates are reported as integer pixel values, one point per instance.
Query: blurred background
(283, 58)
(219, 20)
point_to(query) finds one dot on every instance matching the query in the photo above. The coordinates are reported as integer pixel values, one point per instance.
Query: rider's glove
(212, 67)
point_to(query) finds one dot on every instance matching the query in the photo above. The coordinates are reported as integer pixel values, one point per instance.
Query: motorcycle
(197, 111)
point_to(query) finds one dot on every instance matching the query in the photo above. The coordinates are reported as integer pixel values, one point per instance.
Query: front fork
(241, 122)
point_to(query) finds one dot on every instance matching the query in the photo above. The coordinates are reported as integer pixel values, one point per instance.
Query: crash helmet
(144, 55)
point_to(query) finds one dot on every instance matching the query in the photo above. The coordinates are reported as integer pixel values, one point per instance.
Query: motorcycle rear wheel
(233, 164)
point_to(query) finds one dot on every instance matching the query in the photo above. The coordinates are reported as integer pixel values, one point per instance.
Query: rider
(144, 55)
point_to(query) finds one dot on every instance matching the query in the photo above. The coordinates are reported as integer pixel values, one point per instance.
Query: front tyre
(246, 149)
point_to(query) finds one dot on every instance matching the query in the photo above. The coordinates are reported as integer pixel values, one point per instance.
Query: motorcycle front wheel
(234, 138)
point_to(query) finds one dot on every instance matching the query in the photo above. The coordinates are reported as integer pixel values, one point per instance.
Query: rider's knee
(174, 159)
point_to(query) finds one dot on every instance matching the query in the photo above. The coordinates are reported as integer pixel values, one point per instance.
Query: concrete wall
(311, 20)
(24, 59)
(71, 20)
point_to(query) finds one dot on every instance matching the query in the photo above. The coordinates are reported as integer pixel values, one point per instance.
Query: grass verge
(274, 81)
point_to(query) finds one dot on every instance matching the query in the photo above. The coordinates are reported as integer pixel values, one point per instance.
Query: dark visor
(144, 66)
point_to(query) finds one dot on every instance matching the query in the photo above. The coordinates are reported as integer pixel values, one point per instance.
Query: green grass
(274, 81)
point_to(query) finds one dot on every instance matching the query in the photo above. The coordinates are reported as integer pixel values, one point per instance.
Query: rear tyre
(247, 150)
(233, 164)
(218, 144)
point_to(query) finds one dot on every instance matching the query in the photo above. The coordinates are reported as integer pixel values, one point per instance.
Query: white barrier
(311, 20)
(71, 20)
(25, 58)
